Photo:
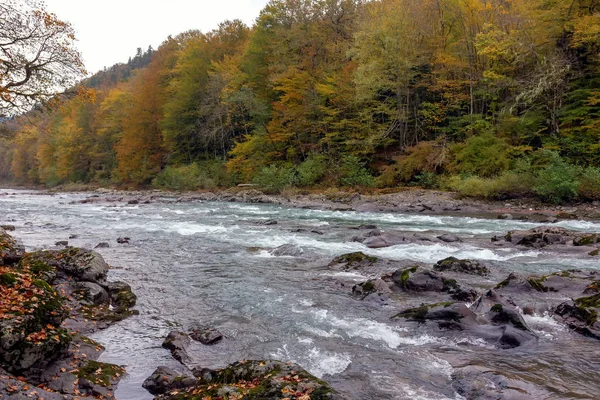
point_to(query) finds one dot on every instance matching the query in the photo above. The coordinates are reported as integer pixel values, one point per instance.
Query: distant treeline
(492, 98)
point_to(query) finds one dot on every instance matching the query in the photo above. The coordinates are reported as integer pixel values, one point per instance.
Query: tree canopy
(37, 55)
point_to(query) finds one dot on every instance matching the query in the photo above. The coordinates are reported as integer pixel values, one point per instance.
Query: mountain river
(209, 264)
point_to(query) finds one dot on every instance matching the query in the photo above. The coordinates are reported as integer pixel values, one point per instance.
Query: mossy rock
(10, 251)
(401, 277)
(79, 264)
(586, 240)
(463, 266)
(257, 380)
(99, 373)
(8, 279)
(354, 260)
(419, 314)
(594, 253)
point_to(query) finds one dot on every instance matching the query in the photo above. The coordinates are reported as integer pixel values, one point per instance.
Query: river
(204, 263)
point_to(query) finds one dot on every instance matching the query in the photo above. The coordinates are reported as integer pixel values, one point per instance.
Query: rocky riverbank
(49, 301)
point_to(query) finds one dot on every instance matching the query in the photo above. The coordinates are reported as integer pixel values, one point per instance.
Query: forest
(489, 98)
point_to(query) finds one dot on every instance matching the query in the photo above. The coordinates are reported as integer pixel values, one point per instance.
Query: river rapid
(203, 263)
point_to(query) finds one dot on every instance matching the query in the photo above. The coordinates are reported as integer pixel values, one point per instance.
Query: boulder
(74, 263)
(418, 279)
(123, 240)
(581, 315)
(289, 250)
(206, 336)
(375, 239)
(372, 286)
(356, 260)
(91, 292)
(448, 238)
(102, 245)
(543, 236)
(178, 342)
(10, 251)
(165, 379)
(266, 379)
(463, 266)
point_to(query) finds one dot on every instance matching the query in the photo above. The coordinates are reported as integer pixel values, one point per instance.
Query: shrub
(510, 184)
(558, 181)
(178, 178)
(427, 180)
(426, 157)
(276, 178)
(485, 155)
(353, 172)
(589, 184)
(311, 171)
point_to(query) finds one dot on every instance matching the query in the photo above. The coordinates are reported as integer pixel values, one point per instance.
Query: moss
(586, 240)
(125, 299)
(450, 283)
(497, 308)
(406, 274)
(591, 301)
(419, 313)
(368, 287)
(538, 284)
(100, 373)
(354, 259)
(102, 313)
(8, 279)
(91, 342)
(42, 284)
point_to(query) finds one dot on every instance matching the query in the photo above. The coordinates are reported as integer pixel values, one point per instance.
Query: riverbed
(211, 264)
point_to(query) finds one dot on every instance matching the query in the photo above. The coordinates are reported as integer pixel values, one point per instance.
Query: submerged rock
(448, 238)
(289, 250)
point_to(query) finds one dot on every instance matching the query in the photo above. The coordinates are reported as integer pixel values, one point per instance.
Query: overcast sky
(110, 31)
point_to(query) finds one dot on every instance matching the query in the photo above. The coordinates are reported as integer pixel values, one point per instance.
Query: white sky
(110, 31)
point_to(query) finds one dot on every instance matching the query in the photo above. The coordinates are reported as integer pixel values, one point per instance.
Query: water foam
(316, 361)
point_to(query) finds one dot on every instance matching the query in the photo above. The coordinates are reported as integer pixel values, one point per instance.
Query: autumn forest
(490, 98)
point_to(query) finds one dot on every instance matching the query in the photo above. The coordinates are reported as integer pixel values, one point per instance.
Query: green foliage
(484, 155)
(427, 180)
(558, 181)
(510, 184)
(311, 171)
(353, 173)
(276, 178)
(201, 175)
(589, 184)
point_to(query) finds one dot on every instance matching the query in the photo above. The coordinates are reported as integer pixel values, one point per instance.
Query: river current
(208, 264)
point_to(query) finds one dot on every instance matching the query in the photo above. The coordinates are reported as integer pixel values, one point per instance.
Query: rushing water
(189, 264)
